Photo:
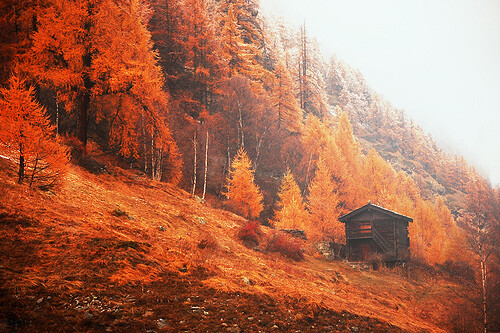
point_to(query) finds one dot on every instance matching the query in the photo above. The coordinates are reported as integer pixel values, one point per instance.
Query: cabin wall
(403, 241)
(358, 229)
(360, 249)
(359, 235)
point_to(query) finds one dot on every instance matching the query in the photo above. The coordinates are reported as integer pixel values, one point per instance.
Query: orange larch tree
(481, 224)
(289, 112)
(351, 154)
(314, 138)
(324, 205)
(378, 180)
(243, 195)
(241, 38)
(98, 57)
(25, 129)
(291, 213)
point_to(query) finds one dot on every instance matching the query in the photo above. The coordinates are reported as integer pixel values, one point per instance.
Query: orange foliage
(286, 245)
(251, 232)
(378, 180)
(289, 112)
(324, 206)
(100, 58)
(26, 131)
(291, 213)
(243, 195)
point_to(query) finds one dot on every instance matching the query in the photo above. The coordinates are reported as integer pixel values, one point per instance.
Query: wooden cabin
(373, 231)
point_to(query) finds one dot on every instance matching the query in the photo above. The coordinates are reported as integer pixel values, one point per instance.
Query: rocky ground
(117, 252)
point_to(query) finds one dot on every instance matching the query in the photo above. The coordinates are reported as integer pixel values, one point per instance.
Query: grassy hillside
(119, 252)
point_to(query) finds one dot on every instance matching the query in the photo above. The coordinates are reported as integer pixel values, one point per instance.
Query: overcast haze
(437, 60)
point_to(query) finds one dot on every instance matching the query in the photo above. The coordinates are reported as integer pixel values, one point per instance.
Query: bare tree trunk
(83, 118)
(228, 165)
(34, 170)
(257, 149)
(20, 173)
(301, 89)
(308, 167)
(159, 162)
(206, 168)
(153, 163)
(483, 283)
(145, 146)
(194, 164)
(57, 117)
(240, 126)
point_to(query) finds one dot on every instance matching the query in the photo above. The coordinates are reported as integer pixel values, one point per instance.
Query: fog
(437, 60)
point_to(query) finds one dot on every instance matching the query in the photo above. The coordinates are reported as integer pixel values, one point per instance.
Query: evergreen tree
(98, 57)
(243, 195)
(25, 129)
(291, 213)
(324, 205)
(289, 111)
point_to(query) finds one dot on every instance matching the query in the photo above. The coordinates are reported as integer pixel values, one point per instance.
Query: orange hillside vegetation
(120, 251)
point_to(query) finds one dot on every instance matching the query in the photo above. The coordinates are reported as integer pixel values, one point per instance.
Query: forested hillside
(210, 96)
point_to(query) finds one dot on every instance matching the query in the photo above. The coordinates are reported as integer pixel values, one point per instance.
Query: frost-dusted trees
(243, 195)
(289, 111)
(479, 222)
(26, 131)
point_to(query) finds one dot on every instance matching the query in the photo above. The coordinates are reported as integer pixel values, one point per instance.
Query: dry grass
(121, 230)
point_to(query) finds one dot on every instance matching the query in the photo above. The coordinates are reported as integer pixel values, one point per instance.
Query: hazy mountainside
(401, 142)
(117, 251)
(208, 97)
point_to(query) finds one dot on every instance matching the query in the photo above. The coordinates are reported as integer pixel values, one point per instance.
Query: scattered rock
(161, 228)
(247, 281)
(161, 323)
(40, 300)
(183, 269)
(234, 329)
(250, 318)
(198, 199)
(355, 329)
(88, 315)
(275, 327)
(200, 220)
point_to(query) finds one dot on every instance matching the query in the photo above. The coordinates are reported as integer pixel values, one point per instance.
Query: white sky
(438, 60)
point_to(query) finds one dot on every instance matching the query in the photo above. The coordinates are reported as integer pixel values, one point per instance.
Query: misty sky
(438, 60)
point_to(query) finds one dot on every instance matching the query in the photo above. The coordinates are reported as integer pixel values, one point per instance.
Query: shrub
(459, 270)
(286, 245)
(251, 233)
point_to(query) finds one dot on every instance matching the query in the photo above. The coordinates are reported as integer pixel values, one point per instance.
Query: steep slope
(395, 136)
(120, 252)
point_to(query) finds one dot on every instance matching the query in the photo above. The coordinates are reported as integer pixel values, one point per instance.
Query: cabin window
(365, 227)
(360, 229)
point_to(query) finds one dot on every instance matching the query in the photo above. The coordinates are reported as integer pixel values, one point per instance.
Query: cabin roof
(369, 206)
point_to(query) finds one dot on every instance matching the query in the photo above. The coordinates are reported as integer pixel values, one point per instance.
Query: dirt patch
(175, 303)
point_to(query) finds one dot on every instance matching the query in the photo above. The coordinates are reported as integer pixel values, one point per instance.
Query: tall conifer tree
(243, 194)
(291, 213)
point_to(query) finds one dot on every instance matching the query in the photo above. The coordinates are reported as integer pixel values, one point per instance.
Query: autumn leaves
(26, 131)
